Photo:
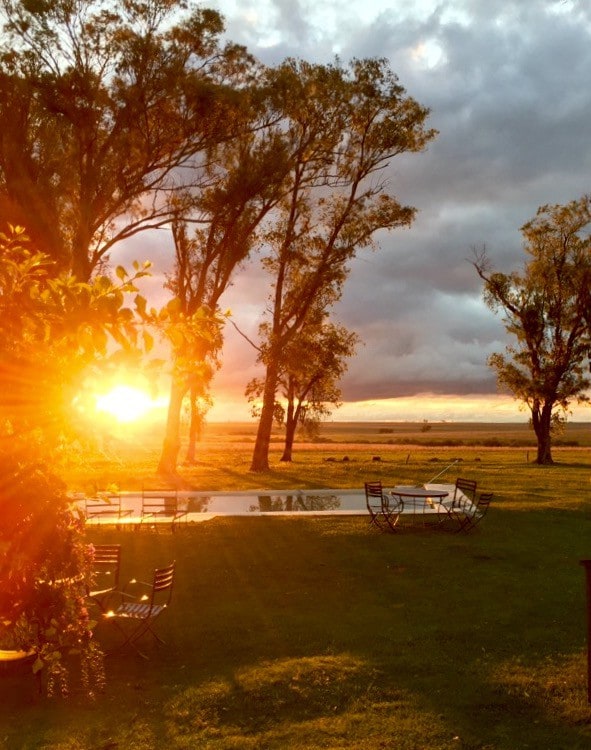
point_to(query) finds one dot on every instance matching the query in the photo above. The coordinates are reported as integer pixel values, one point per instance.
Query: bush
(44, 576)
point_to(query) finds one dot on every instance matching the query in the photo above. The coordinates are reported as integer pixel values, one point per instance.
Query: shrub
(44, 575)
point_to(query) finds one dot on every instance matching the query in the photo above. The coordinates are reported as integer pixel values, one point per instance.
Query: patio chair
(384, 511)
(106, 506)
(466, 487)
(106, 567)
(469, 517)
(161, 504)
(137, 612)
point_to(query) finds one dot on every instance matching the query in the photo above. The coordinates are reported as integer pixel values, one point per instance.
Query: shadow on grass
(307, 633)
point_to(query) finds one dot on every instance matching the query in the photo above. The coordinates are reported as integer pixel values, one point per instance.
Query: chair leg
(130, 638)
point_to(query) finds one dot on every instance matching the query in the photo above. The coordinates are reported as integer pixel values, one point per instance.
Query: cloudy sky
(507, 82)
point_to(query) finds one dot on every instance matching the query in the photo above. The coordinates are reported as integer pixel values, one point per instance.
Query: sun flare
(125, 403)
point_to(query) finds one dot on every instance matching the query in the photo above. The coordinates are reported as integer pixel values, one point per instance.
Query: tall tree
(341, 127)
(246, 176)
(105, 112)
(545, 308)
(308, 384)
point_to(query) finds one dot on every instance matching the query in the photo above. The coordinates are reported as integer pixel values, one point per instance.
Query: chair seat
(136, 613)
(139, 610)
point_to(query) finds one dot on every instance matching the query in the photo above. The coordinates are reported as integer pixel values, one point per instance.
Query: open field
(299, 633)
(341, 457)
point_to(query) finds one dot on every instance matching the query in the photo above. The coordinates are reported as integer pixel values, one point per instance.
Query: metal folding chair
(161, 505)
(384, 511)
(106, 506)
(465, 487)
(469, 517)
(136, 613)
(105, 569)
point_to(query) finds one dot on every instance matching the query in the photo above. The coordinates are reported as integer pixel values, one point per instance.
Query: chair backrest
(162, 585)
(467, 486)
(161, 502)
(373, 489)
(373, 494)
(106, 565)
(484, 502)
(104, 504)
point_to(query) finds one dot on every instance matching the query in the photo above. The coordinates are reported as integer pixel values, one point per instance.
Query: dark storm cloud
(507, 85)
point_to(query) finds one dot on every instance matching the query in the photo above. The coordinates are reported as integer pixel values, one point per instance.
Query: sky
(507, 83)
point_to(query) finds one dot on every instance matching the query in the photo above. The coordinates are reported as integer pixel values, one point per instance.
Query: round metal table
(421, 503)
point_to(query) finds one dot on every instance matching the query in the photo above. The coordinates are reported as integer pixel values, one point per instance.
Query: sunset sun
(125, 403)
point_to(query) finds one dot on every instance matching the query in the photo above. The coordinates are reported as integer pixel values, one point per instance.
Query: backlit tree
(107, 113)
(545, 308)
(341, 127)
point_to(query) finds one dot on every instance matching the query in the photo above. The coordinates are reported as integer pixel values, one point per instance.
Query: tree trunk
(81, 264)
(260, 455)
(172, 439)
(542, 424)
(194, 428)
(290, 429)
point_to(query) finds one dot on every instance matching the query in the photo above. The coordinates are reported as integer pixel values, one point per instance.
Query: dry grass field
(343, 455)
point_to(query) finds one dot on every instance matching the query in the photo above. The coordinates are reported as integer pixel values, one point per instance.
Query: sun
(125, 403)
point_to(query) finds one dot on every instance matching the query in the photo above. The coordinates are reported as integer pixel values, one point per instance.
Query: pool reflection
(264, 503)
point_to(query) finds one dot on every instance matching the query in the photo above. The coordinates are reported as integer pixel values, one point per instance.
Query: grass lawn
(306, 633)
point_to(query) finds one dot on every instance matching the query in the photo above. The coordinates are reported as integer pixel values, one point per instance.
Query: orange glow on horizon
(426, 406)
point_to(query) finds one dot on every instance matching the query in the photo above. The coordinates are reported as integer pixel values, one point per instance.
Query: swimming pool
(201, 505)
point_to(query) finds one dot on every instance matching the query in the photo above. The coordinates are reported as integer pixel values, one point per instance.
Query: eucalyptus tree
(311, 386)
(246, 176)
(308, 384)
(546, 309)
(341, 127)
(106, 111)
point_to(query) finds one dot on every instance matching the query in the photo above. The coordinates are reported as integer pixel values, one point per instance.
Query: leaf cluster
(54, 333)
(44, 575)
(102, 110)
(546, 309)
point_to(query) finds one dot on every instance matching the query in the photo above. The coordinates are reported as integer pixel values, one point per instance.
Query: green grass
(311, 633)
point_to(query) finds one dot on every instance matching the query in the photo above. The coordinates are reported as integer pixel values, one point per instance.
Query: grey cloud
(509, 95)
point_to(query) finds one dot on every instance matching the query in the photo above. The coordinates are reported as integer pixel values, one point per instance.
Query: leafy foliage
(44, 576)
(54, 332)
(547, 309)
(102, 110)
(339, 128)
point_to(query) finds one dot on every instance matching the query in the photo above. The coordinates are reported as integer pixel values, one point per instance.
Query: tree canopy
(340, 127)
(310, 369)
(546, 309)
(107, 114)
